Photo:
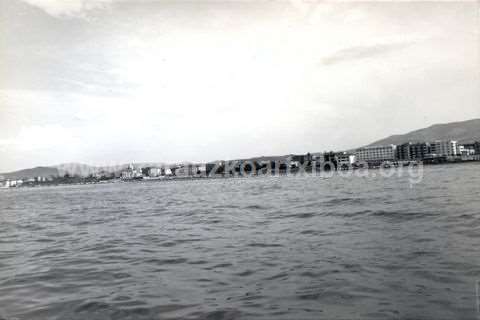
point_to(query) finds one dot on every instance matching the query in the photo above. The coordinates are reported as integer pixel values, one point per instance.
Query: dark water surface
(257, 248)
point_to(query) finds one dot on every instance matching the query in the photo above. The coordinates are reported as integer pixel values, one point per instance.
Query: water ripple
(260, 248)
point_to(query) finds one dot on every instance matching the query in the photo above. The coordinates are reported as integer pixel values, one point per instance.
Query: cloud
(39, 137)
(365, 51)
(69, 8)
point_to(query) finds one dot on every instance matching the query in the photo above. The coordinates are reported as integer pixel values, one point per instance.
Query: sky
(107, 82)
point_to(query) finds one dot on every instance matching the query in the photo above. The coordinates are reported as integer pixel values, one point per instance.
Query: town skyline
(117, 82)
(456, 139)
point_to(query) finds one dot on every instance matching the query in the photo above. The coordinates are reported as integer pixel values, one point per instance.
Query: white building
(132, 173)
(156, 172)
(466, 150)
(12, 183)
(444, 148)
(376, 153)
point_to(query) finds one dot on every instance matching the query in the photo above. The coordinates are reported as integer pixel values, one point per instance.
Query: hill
(72, 169)
(463, 132)
(31, 173)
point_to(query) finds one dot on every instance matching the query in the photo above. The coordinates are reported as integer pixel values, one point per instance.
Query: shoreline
(274, 173)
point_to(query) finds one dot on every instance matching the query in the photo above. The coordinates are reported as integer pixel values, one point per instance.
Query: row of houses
(150, 172)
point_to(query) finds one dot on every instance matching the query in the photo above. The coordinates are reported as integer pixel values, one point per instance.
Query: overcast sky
(109, 82)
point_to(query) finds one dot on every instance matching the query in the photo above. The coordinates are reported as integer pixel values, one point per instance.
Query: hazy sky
(108, 82)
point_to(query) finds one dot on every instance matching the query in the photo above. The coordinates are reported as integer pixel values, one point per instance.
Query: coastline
(277, 173)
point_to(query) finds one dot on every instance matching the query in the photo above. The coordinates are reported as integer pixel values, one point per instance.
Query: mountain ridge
(462, 131)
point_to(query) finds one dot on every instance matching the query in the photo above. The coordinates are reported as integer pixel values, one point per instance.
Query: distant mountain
(31, 173)
(72, 169)
(463, 132)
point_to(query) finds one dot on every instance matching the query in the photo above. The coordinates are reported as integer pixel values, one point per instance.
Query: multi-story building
(419, 151)
(467, 149)
(444, 148)
(376, 153)
(413, 151)
(403, 151)
(345, 158)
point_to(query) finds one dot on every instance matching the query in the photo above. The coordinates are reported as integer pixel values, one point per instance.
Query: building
(156, 172)
(187, 170)
(418, 151)
(444, 148)
(469, 148)
(330, 157)
(466, 149)
(11, 183)
(413, 151)
(132, 173)
(168, 171)
(376, 154)
(300, 159)
(403, 152)
(345, 158)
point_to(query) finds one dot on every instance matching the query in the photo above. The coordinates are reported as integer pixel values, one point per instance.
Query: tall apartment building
(376, 153)
(444, 148)
(413, 151)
